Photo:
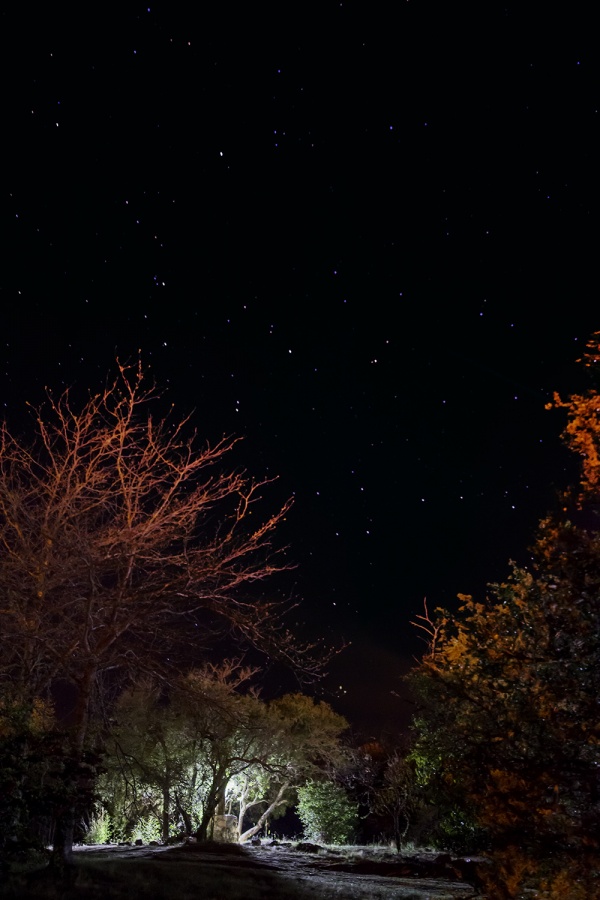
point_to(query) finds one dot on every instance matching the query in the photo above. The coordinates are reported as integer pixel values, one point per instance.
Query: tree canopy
(509, 692)
(212, 746)
(124, 539)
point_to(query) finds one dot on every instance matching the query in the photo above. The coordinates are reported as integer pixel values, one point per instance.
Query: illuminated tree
(209, 746)
(510, 694)
(173, 754)
(303, 742)
(122, 539)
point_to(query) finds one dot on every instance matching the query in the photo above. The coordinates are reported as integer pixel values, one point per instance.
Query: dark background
(362, 236)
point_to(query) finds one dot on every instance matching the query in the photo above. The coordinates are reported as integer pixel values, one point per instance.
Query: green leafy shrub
(99, 830)
(147, 829)
(326, 813)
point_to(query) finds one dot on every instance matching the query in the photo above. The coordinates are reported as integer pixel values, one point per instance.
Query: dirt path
(230, 872)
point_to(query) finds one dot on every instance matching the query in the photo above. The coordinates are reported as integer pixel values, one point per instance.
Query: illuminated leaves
(510, 689)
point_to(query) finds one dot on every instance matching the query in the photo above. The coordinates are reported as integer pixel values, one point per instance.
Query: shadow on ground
(225, 872)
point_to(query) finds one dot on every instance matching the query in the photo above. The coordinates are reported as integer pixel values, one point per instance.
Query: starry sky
(363, 237)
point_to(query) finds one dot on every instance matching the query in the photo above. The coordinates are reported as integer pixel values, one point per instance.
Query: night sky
(362, 236)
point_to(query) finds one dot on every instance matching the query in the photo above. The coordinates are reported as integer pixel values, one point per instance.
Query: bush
(147, 829)
(99, 830)
(326, 813)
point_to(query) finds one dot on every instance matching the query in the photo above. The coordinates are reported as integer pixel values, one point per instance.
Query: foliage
(396, 795)
(124, 541)
(209, 744)
(98, 831)
(172, 751)
(20, 746)
(326, 813)
(380, 777)
(303, 740)
(147, 829)
(39, 773)
(509, 694)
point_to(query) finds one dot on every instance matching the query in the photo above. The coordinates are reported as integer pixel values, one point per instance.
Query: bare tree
(120, 536)
(396, 796)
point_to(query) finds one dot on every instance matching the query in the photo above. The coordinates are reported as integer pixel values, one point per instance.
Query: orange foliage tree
(510, 692)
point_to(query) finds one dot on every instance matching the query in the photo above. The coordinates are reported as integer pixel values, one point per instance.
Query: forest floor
(231, 872)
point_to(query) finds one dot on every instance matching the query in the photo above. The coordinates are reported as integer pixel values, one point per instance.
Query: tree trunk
(166, 793)
(187, 819)
(62, 845)
(165, 811)
(216, 794)
(278, 801)
(64, 828)
(399, 832)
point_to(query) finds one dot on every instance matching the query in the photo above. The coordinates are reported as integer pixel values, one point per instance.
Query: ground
(231, 872)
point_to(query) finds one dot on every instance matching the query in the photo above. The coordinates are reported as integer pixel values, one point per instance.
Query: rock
(226, 829)
(256, 841)
(139, 842)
